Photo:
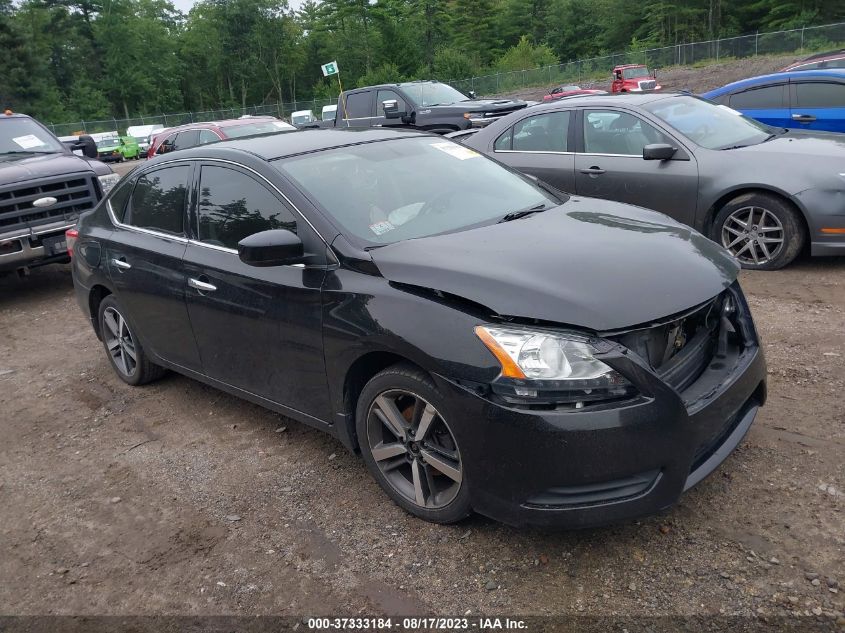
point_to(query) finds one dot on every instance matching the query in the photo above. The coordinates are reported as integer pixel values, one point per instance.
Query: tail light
(71, 236)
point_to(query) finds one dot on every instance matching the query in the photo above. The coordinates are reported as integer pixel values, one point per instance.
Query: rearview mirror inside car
(658, 151)
(276, 247)
(391, 109)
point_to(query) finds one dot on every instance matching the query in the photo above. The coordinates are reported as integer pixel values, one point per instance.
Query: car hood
(484, 105)
(818, 144)
(19, 169)
(590, 263)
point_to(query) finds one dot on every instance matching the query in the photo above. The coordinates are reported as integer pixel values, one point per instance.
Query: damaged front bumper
(608, 462)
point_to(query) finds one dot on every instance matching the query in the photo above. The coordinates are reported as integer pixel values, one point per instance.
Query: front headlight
(559, 367)
(108, 181)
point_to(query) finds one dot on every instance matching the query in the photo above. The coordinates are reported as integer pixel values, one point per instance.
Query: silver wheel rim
(119, 342)
(753, 235)
(414, 449)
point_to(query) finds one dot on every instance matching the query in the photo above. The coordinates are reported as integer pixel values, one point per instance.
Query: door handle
(202, 286)
(803, 118)
(121, 263)
(593, 171)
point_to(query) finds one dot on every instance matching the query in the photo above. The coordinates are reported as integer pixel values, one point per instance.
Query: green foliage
(385, 74)
(450, 63)
(526, 55)
(97, 59)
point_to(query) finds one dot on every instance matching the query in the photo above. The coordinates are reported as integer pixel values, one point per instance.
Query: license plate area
(56, 245)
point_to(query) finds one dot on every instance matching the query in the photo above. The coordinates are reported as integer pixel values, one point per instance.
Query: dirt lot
(176, 498)
(695, 79)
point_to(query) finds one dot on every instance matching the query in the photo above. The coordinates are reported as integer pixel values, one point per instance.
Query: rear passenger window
(503, 143)
(233, 206)
(767, 98)
(207, 136)
(186, 139)
(819, 94)
(358, 105)
(118, 200)
(158, 200)
(542, 133)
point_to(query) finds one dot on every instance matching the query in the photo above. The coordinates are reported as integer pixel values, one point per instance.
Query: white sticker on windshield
(380, 228)
(458, 151)
(731, 110)
(29, 141)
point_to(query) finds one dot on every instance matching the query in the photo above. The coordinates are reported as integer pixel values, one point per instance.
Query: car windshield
(107, 142)
(25, 136)
(429, 93)
(382, 192)
(710, 125)
(633, 73)
(256, 127)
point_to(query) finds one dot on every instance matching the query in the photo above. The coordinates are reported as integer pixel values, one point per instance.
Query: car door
(357, 108)
(818, 104)
(258, 329)
(767, 104)
(541, 145)
(609, 164)
(144, 261)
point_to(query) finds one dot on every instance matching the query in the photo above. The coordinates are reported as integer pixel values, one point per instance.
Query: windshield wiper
(515, 215)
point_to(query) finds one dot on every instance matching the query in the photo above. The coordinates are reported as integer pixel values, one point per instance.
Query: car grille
(648, 85)
(73, 195)
(680, 348)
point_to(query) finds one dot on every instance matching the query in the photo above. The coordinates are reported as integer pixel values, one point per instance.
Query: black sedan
(485, 342)
(764, 193)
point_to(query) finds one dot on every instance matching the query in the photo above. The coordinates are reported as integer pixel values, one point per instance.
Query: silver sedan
(764, 193)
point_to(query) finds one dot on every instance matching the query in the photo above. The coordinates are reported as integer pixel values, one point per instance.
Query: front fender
(364, 313)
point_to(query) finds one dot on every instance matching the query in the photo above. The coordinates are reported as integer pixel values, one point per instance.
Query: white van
(329, 112)
(142, 134)
(302, 117)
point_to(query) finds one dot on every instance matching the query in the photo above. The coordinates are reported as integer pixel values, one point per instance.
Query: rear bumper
(22, 249)
(582, 468)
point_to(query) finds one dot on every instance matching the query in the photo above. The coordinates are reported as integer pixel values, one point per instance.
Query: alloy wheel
(753, 235)
(414, 448)
(120, 342)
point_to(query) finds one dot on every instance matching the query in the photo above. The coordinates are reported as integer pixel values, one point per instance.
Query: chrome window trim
(530, 151)
(223, 249)
(640, 156)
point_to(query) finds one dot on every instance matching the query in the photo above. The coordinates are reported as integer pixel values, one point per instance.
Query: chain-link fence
(583, 72)
(280, 110)
(597, 69)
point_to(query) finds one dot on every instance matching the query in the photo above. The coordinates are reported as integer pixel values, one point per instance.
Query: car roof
(820, 56)
(289, 143)
(211, 124)
(824, 73)
(623, 66)
(606, 99)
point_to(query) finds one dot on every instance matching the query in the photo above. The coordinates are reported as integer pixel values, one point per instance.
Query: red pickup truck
(634, 78)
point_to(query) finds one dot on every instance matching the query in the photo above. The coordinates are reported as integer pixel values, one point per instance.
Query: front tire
(763, 231)
(409, 447)
(124, 350)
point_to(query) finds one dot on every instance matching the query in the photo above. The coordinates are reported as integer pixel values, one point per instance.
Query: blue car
(803, 100)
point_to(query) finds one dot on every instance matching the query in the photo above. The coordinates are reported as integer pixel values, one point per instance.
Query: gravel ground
(175, 498)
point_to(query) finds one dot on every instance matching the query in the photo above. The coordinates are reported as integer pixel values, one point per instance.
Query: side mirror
(654, 73)
(391, 109)
(471, 94)
(275, 247)
(658, 151)
(87, 144)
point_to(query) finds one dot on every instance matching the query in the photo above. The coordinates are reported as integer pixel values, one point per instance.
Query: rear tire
(762, 230)
(408, 446)
(124, 350)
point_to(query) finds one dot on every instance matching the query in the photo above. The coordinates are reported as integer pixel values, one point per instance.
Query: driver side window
(618, 132)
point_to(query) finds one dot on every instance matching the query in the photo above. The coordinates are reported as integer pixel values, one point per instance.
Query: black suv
(44, 186)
